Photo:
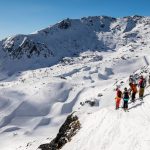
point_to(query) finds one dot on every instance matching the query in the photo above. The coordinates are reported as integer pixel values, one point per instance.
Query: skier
(118, 98)
(126, 94)
(133, 90)
(142, 85)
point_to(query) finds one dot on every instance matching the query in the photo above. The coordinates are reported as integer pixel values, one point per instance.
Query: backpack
(126, 95)
(143, 83)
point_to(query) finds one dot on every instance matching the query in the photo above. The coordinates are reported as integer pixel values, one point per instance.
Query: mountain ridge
(70, 37)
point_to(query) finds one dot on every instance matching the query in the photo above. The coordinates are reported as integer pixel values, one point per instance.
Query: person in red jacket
(142, 85)
(118, 98)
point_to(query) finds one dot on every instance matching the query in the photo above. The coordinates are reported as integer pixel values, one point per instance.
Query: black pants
(125, 105)
(133, 96)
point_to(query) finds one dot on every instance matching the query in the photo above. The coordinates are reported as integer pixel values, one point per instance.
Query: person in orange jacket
(133, 90)
(118, 98)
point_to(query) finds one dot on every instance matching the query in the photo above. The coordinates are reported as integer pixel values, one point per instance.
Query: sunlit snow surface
(37, 94)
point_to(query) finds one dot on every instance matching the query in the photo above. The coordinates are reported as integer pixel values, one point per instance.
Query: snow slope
(108, 129)
(46, 75)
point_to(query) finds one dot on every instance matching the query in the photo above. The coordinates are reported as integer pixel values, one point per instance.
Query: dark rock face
(27, 47)
(65, 24)
(66, 132)
(91, 103)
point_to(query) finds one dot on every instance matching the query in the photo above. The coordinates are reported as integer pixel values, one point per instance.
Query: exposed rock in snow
(27, 47)
(66, 132)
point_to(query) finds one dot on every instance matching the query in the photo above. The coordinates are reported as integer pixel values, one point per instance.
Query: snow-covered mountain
(71, 37)
(61, 69)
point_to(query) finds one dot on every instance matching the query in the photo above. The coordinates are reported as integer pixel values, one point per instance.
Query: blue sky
(26, 16)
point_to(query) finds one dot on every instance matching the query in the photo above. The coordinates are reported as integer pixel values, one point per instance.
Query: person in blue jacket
(126, 94)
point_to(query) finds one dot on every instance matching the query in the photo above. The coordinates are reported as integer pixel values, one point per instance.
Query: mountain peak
(72, 36)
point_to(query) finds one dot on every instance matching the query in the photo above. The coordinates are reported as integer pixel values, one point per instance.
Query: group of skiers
(131, 92)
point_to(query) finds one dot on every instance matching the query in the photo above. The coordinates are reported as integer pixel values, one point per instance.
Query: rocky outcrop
(66, 132)
(65, 24)
(16, 48)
